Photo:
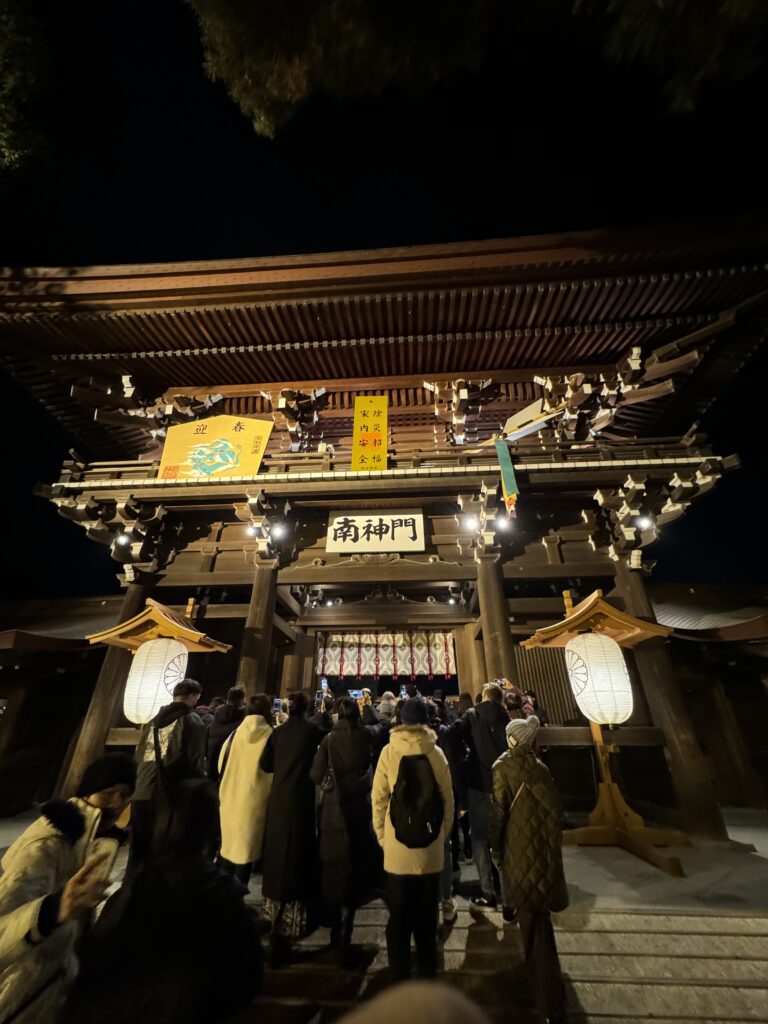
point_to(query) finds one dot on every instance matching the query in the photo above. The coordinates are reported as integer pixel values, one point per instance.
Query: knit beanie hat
(413, 712)
(521, 732)
(106, 772)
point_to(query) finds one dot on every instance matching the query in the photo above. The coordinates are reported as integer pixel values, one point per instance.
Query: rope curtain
(412, 653)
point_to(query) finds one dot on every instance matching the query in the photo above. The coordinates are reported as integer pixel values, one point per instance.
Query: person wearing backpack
(171, 749)
(412, 818)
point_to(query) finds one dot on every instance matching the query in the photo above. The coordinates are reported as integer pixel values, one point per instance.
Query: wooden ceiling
(382, 320)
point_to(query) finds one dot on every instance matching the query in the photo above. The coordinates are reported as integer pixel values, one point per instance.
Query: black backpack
(416, 808)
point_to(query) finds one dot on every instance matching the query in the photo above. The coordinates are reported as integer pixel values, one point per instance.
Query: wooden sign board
(219, 447)
(369, 434)
(352, 533)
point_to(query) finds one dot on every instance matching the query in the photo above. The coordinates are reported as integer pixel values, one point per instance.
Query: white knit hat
(521, 732)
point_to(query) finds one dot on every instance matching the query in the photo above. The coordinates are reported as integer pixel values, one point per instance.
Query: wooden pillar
(494, 615)
(470, 658)
(733, 754)
(294, 664)
(105, 701)
(257, 633)
(688, 767)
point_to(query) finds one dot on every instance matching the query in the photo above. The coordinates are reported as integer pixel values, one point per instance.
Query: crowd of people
(333, 803)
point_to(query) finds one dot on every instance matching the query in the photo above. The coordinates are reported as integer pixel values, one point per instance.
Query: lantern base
(614, 823)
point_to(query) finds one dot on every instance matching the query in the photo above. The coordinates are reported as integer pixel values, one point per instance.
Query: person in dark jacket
(290, 863)
(538, 710)
(526, 840)
(349, 853)
(171, 748)
(483, 728)
(225, 721)
(378, 727)
(183, 927)
(207, 711)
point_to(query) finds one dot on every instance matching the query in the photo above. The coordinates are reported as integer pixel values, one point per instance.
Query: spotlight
(251, 530)
(502, 523)
(451, 600)
(329, 604)
(278, 530)
(643, 522)
(470, 523)
(123, 538)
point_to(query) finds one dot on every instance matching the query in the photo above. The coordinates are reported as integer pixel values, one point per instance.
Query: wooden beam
(410, 380)
(286, 598)
(123, 737)
(285, 628)
(581, 736)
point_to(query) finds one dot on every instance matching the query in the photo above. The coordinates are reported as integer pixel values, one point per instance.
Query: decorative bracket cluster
(139, 534)
(631, 516)
(121, 403)
(457, 407)
(271, 528)
(591, 401)
(297, 413)
(480, 509)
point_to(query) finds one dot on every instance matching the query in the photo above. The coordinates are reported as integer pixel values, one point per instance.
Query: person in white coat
(34, 892)
(413, 872)
(244, 790)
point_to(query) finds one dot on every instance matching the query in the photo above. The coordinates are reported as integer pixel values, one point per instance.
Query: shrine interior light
(329, 604)
(502, 523)
(451, 600)
(251, 530)
(278, 530)
(123, 538)
(643, 522)
(470, 523)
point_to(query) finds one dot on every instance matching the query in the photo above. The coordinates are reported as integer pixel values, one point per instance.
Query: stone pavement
(635, 944)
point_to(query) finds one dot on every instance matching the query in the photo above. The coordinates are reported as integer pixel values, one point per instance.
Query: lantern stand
(612, 822)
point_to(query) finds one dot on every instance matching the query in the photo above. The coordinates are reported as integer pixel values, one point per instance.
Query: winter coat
(36, 970)
(378, 727)
(525, 833)
(182, 739)
(483, 729)
(225, 720)
(289, 860)
(176, 943)
(349, 854)
(244, 791)
(399, 859)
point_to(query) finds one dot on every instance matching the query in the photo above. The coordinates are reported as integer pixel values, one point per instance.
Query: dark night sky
(147, 160)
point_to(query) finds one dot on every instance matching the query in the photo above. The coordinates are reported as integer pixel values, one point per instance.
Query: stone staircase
(619, 966)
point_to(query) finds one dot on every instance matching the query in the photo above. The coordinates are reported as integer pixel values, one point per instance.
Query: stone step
(711, 946)
(654, 998)
(686, 970)
(683, 924)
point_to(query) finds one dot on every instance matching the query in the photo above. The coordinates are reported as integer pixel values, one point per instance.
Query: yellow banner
(218, 447)
(369, 434)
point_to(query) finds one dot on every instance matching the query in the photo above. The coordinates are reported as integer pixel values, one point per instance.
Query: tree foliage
(273, 56)
(687, 45)
(20, 62)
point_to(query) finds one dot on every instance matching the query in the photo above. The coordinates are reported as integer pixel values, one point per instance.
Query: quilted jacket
(525, 834)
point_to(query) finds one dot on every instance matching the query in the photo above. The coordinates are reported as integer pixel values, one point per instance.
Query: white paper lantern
(599, 678)
(157, 666)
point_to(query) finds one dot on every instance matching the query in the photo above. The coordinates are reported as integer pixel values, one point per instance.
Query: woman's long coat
(525, 833)
(349, 853)
(244, 791)
(290, 859)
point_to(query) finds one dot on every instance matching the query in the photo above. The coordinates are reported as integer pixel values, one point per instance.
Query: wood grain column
(257, 635)
(494, 615)
(688, 767)
(105, 701)
(294, 664)
(470, 658)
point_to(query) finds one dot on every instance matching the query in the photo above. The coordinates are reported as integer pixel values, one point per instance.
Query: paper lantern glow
(599, 679)
(157, 666)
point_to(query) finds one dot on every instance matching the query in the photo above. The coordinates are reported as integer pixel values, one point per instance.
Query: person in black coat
(290, 863)
(349, 853)
(483, 729)
(176, 942)
(225, 720)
